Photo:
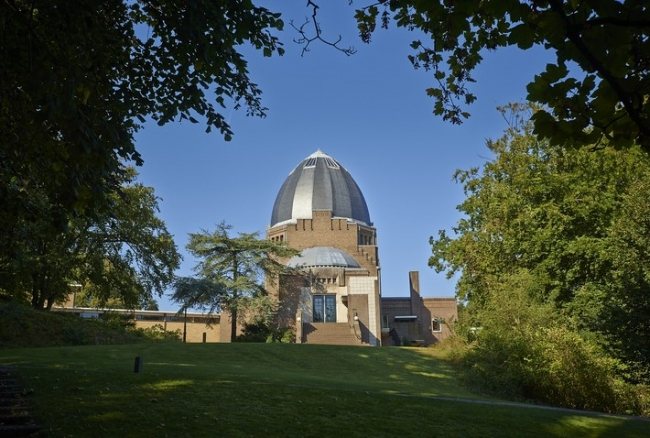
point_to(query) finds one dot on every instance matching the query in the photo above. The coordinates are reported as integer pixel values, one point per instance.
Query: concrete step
(330, 334)
(15, 415)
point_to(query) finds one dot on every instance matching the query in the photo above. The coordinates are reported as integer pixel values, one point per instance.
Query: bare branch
(311, 25)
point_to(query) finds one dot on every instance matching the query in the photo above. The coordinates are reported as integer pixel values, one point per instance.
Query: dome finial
(319, 154)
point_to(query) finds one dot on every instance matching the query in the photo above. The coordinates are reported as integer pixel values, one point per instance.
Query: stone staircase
(329, 333)
(15, 415)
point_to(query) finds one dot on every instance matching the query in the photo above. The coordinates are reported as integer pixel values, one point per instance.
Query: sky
(369, 111)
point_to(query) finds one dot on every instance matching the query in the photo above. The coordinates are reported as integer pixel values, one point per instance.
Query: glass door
(324, 308)
(330, 308)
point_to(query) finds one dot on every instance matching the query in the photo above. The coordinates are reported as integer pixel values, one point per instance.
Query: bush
(157, 333)
(118, 320)
(285, 335)
(262, 332)
(23, 326)
(570, 371)
(527, 350)
(553, 365)
(254, 332)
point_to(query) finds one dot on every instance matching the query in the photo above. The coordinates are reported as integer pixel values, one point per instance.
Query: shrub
(261, 332)
(573, 372)
(23, 326)
(254, 332)
(118, 320)
(286, 335)
(158, 333)
(526, 349)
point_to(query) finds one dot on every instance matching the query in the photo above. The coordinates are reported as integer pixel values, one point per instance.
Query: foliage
(158, 333)
(122, 258)
(117, 320)
(527, 350)
(254, 332)
(259, 386)
(590, 93)
(79, 78)
(231, 272)
(266, 331)
(22, 326)
(551, 260)
(539, 207)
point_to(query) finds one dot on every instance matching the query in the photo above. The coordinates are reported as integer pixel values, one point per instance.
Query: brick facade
(417, 320)
(356, 289)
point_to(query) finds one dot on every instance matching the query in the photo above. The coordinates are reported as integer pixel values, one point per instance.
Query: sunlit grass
(274, 390)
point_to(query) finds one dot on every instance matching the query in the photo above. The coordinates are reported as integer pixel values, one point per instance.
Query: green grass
(274, 390)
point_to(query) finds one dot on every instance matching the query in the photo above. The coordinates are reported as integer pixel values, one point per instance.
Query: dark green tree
(231, 270)
(78, 79)
(124, 257)
(621, 308)
(597, 89)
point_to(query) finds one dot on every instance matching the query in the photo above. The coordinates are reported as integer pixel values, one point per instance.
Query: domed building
(335, 295)
(321, 211)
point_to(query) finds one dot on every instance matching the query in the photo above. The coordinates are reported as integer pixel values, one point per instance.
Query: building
(193, 327)
(336, 297)
(417, 320)
(321, 211)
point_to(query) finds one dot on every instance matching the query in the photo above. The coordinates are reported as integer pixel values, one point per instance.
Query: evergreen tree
(231, 270)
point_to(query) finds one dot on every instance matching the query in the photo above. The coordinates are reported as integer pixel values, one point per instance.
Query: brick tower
(321, 211)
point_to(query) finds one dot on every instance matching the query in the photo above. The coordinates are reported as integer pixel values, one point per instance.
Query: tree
(79, 78)
(123, 257)
(573, 219)
(597, 89)
(622, 311)
(230, 271)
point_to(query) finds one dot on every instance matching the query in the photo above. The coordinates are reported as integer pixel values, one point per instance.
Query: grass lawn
(273, 390)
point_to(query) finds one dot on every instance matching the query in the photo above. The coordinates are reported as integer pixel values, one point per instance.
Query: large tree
(124, 256)
(574, 220)
(231, 270)
(78, 79)
(597, 88)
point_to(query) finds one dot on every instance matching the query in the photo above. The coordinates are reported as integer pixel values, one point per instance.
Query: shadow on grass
(277, 390)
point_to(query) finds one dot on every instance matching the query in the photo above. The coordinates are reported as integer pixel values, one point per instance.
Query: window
(436, 325)
(331, 163)
(311, 162)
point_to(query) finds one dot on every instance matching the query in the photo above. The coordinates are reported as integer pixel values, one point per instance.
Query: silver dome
(319, 182)
(321, 256)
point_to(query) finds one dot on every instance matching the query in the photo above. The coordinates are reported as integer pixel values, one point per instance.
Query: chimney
(414, 287)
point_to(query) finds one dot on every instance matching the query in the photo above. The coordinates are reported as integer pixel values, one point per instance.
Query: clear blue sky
(369, 111)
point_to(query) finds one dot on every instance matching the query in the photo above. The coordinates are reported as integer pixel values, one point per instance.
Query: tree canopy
(124, 256)
(597, 89)
(79, 78)
(231, 270)
(573, 222)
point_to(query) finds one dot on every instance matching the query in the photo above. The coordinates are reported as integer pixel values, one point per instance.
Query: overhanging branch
(311, 22)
